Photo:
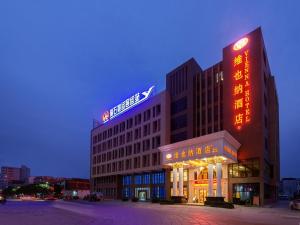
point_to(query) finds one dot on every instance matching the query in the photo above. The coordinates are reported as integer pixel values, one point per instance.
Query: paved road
(128, 213)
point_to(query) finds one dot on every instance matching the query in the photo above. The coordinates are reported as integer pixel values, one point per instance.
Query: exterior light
(169, 156)
(105, 116)
(240, 44)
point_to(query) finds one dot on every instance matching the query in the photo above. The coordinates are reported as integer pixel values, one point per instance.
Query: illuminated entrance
(206, 159)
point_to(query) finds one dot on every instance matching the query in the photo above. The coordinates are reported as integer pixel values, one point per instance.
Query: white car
(295, 204)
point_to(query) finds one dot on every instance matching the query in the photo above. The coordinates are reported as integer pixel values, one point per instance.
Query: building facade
(290, 187)
(13, 175)
(212, 132)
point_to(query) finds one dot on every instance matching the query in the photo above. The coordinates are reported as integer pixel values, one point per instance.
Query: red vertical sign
(241, 84)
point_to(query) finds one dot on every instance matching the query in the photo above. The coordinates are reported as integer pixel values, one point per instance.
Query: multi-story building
(212, 132)
(290, 187)
(12, 175)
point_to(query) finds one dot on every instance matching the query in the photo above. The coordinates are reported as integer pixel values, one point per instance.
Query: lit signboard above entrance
(127, 104)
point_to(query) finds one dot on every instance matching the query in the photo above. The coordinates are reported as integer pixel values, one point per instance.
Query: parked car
(2, 199)
(295, 204)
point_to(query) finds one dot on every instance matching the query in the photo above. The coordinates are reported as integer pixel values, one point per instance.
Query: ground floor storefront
(144, 186)
(195, 170)
(199, 166)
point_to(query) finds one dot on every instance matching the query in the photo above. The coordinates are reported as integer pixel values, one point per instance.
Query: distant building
(13, 175)
(75, 187)
(24, 173)
(44, 179)
(290, 187)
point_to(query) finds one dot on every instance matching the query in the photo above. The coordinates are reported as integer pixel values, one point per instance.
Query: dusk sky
(62, 63)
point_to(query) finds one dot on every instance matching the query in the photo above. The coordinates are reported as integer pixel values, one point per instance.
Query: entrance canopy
(215, 147)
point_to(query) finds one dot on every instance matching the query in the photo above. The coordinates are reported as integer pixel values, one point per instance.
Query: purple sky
(62, 63)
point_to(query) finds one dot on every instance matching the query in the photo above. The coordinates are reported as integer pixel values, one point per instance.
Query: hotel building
(212, 132)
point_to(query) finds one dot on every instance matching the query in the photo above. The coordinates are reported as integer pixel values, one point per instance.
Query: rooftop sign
(240, 44)
(126, 105)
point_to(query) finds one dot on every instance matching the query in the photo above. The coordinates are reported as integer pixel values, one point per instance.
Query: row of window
(245, 168)
(105, 180)
(156, 110)
(127, 151)
(128, 164)
(108, 146)
(129, 136)
(156, 192)
(185, 176)
(207, 79)
(147, 178)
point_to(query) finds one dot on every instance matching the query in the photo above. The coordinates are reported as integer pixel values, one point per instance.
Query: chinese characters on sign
(241, 89)
(204, 151)
(126, 105)
(230, 151)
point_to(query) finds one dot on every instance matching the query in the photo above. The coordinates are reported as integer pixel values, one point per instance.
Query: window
(147, 115)
(122, 126)
(137, 148)
(116, 129)
(138, 179)
(146, 178)
(157, 110)
(156, 126)
(146, 129)
(137, 133)
(245, 168)
(121, 152)
(155, 142)
(128, 150)
(185, 175)
(158, 178)
(136, 162)
(243, 193)
(129, 123)
(129, 137)
(155, 159)
(146, 160)
(178, 137)
(179, 105)
(146, 145)
(126, 192)
(128, 164)
(179, 122)
(138, 119)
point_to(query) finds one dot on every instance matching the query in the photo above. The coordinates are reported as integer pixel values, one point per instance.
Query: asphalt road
(128, 213)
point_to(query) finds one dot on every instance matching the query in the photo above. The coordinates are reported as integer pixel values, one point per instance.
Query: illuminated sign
(230, 151)
(203, 182)
(240, 44)
(241, 91)
(203, 151)
(127, 104)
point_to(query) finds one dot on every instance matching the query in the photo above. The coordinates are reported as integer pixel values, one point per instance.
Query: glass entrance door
(142, 195)
(202, 195)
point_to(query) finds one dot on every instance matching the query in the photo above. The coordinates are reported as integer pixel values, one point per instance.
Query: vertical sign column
(241, 87)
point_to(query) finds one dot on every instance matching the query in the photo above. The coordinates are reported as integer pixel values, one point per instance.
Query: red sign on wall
(241, 90)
